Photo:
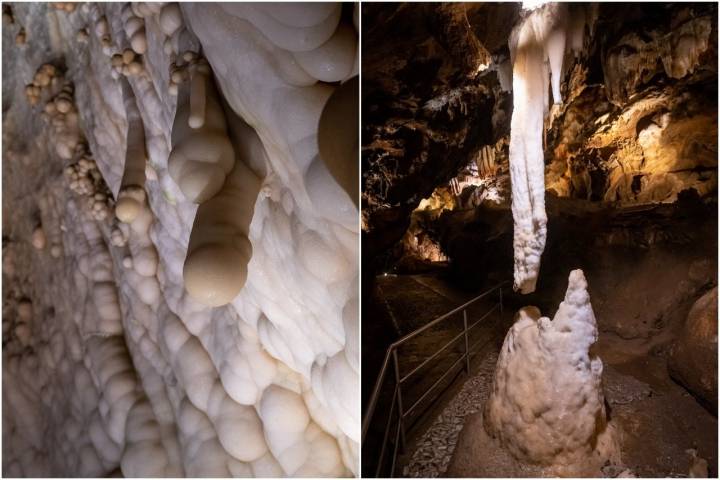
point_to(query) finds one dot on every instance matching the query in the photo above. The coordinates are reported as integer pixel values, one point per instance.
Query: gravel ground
(435, 448)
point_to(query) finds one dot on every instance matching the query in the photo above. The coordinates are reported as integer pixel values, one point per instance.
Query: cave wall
(110, 366)
(425, 109)
(638, 126)
(631, 156)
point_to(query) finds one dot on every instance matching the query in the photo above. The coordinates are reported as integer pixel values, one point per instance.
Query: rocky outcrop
(638, 126)
(425, 110)
(693, 357)
(451, 29)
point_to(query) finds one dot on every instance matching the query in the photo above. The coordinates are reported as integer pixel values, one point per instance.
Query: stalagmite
(547, 406)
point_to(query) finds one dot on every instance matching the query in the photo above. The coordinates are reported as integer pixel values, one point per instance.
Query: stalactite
(537, 47)
(131, 196)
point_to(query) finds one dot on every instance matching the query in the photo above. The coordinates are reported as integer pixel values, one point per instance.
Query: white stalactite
(202, 155)
(537, 47)
(131, 196)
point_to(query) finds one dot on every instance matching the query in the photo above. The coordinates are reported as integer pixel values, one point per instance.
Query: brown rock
(693, 358)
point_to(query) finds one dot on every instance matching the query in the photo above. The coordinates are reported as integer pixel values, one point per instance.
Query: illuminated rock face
(109, 364)
(547, 405)
(649, 130)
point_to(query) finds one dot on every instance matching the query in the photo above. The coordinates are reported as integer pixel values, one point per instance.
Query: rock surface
(638, 124)
(693, 357)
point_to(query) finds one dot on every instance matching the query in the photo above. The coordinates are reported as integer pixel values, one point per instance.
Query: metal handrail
(446, 315)
(392, 353)
(432, 357)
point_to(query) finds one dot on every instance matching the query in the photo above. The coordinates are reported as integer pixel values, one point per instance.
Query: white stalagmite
(547, 406)
(537, 41)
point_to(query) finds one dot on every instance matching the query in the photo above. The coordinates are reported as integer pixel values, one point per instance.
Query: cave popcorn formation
(537, 47)
(546, 405)
(112, 366)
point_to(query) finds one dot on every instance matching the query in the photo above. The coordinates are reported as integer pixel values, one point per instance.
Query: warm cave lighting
(180, 239)
(540, 240)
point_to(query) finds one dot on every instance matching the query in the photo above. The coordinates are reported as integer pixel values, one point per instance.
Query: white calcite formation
(131, 197)
(202, 155)
(537, 46)
(308, 40)
(547, 406)
(111, 364)
(219, 249)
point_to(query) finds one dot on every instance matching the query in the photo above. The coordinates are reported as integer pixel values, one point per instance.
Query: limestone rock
(693, 358)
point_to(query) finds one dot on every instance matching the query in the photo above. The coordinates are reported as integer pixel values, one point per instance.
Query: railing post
(467, 344)
(401, 412)
(501, 304)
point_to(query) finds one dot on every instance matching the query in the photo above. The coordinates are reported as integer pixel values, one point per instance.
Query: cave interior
(630, 191)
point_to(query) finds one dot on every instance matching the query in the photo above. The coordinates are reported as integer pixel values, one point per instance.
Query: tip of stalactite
(127, 209)
(214, 274)
(525, 288)
(130, 203)
(525, 285)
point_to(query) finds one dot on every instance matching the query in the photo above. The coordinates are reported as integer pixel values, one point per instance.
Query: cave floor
(407, 302)
(412, 301)
(658, 419)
